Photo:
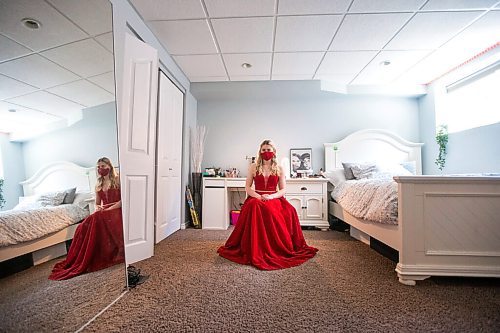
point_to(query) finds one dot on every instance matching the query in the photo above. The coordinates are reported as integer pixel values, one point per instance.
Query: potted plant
(442, 141)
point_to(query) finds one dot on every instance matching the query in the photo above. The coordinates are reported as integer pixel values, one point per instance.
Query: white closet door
(169, 153)
(137, 132)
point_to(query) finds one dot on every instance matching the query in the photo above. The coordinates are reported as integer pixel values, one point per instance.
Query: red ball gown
(97, 243)
(268, 234)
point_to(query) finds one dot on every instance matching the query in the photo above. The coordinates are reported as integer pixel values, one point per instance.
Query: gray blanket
(17, 226)
(369, 199)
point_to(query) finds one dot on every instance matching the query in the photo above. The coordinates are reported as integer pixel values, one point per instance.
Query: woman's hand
(267, 197)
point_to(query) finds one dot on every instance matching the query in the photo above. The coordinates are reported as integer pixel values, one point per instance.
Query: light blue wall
(83, 143)
(472, 151)
(11, 155)
(295, 114)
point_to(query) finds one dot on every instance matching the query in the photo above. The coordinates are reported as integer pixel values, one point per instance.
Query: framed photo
(300, 161)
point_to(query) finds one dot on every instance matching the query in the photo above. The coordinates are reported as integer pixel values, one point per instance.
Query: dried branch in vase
(198, 137)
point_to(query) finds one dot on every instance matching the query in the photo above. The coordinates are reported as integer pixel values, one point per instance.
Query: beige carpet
(30, 302)
(347, 287)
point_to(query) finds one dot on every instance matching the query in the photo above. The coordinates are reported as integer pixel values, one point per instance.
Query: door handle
(303, 188)
(170, 169)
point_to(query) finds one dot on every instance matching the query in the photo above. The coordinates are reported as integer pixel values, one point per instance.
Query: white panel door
(314, 207)
(137, 132)
(169, 156)
(296, 202)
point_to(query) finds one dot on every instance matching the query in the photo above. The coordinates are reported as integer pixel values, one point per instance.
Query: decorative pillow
(336, 176)
(51, 199)
(69, 196)
(363, 171)
(411, 166)
(347, 170)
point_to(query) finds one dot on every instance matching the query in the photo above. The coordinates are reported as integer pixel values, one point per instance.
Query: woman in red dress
(98, 240)
(268, 234)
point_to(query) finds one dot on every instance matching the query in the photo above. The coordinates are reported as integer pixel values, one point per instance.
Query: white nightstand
(310, 198)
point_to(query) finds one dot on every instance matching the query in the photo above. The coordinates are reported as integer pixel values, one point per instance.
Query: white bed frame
(53, 177)
(447, 225)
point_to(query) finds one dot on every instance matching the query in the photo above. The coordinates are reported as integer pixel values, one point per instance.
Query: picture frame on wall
(300, 161)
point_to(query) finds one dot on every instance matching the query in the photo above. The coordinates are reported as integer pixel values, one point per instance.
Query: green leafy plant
(2, 200)
(442, 141)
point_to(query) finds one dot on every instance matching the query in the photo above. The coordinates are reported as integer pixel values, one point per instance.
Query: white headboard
(372, 145)
(60, 176)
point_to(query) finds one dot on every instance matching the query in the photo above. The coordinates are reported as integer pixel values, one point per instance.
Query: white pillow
(335, 176)
(393, 169)
(27, 203)
(82, 199)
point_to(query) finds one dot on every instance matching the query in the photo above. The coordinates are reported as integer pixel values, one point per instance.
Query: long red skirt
(97, 244)
(267, 236)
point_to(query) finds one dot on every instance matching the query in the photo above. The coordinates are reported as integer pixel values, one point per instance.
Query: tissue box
(234, 216)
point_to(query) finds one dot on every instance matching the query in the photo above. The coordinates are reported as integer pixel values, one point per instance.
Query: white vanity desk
(307, 195)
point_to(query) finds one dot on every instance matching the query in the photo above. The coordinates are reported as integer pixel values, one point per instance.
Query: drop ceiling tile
(55, 30)
(261, 64)
(480, 35)
(349, 63)
(305, 33)
(85, 58)
(244, 35)
(430, 30)
(250, 78)
(185, 37)
(201, 65)
(83, 92)
(11, 49)
(370, 6)
(169, 9)
(367, 31)
(209, 78)
(401, 61)
(341, 79)
(93, 16)
(47, 102)
(292, 77)
(289, 64)
(239, 8)
(106, 81)
(106, 40)
(458, 4)
(24, 115)
(37, 71)
(301, 7)
(12, 88)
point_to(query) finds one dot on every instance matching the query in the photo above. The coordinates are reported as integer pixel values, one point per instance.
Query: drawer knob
(303, 188)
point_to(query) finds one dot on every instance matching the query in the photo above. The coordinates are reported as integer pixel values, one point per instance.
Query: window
(472, 101)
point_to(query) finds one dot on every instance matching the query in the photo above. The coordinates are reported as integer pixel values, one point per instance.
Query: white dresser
(308, 196)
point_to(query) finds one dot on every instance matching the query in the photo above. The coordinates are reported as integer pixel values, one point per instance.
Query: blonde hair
(113, 176)
(275, 170)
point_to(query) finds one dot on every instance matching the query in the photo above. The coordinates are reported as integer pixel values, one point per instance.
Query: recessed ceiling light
(12, 110)
(246, 65)
(31, 24)
(385, 63)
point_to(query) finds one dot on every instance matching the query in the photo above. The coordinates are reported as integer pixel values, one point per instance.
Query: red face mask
(103, 171)
(267, 155)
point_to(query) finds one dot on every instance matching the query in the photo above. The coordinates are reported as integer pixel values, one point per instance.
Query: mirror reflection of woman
(98, 240)
(268, 234)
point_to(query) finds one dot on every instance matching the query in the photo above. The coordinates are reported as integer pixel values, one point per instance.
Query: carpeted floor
(347, 287)
(30, 302)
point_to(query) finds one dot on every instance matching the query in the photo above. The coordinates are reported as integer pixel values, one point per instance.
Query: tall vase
(196, 180)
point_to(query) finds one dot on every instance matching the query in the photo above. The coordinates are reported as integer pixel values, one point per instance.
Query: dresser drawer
(304, 188)
(218, 182)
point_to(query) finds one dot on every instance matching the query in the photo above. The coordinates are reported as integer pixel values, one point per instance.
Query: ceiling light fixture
(385, 63)
(12, 110)
(246, 65)
(31, 24)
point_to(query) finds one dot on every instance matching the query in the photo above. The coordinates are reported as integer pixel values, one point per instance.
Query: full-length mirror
(60, 199)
